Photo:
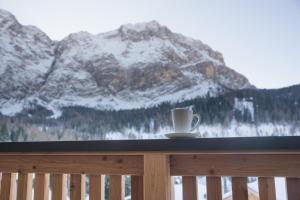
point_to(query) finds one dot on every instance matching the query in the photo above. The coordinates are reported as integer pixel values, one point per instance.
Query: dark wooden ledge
(287, 143)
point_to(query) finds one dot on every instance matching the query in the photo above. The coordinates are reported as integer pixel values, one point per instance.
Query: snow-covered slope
(26, 55)
(136, 65)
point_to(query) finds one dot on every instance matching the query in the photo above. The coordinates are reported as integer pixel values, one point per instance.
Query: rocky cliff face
(26, 55)
(137, 65)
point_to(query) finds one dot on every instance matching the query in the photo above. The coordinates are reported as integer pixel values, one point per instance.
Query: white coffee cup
(182, 119)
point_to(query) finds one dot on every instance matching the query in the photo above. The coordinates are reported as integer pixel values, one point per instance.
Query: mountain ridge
(134, 66)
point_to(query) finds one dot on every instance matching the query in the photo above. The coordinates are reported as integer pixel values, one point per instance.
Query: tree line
(270, 106)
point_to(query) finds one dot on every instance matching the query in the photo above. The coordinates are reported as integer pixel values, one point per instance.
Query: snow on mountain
(26, 55)
(136, 65)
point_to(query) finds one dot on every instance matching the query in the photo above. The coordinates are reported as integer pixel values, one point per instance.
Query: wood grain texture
(137, 190)
(0, 180)
(116, 187)
(239, 188)
(266, 187)
(41, 186)
(77, 187)
(157, 179)
(8, 186)
(24, 186)
(59, 186)
(85, 164)
(236, 165)
(97, 187)
(293, 188)
(189, 188)
(214, 188)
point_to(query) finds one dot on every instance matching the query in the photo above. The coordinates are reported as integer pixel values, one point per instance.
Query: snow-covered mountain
(26, 56)
(134, 66)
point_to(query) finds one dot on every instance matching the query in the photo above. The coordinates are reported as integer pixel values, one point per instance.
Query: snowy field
(234, 129)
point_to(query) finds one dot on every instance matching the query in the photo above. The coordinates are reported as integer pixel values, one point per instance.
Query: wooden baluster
(189, 188)
(77, 187)
(157, 179)
(239, 188)
(214, 188)
(97, 184)
(8, 186)
(266, 188)
(293, 188)
(116, 187)
(41, 186)
(24, 186)
(137, 190)
(0, 181)
(59, 186)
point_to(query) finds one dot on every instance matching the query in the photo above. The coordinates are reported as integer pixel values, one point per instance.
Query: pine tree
(4, 133)
(14, 136)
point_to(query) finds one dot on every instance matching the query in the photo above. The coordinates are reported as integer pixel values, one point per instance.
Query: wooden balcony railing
(151, 164)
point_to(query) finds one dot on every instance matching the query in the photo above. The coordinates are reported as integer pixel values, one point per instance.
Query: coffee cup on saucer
(182, 119)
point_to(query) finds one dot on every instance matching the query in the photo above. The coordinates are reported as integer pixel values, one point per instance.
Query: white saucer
(181, 135)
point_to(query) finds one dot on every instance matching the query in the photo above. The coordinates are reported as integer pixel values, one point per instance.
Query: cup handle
(197, 123)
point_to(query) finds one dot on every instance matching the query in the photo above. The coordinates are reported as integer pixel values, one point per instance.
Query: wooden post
(189, 188)
(41, 186)
(293, 188)
(266, 188)
(77, 187)
(24, 186)
(59, 186)
(116, 187)
(214, 188)
(8, 186)
(97, 187)
(239, 188)
(137, 190)
(157, 179)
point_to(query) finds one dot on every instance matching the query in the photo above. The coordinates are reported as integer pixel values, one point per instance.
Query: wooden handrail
(151, 165)
(236, 165)
(74, 164)
(241, 144)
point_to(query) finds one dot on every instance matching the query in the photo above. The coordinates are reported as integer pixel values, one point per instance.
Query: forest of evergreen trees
(270, 106)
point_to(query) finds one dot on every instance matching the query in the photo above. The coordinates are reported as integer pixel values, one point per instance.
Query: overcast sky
(258, 38)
